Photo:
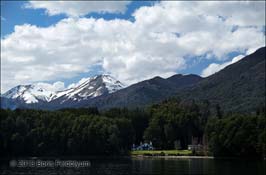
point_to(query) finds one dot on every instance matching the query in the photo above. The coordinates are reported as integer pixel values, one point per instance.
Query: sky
(60, 42)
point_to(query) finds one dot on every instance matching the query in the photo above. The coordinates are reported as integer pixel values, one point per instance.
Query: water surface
(148, 166)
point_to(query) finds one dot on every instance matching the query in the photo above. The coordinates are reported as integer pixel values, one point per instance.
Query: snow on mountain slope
(90, 88)
(112, 84)
(86, 88)
(30, 93)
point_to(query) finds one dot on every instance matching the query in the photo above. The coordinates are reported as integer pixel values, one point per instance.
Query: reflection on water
(149, 166)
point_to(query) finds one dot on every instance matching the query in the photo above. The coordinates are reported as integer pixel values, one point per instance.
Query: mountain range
(38, 96)
(238, 87)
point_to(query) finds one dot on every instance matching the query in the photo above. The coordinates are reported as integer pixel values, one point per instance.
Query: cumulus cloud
(157, 42)
(57, 86)
(80, 8)
(214, 67)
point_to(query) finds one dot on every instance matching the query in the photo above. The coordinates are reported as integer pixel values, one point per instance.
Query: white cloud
(240, 13)
(80, 8)
(214, 67)
(156, 43)
(57, 86)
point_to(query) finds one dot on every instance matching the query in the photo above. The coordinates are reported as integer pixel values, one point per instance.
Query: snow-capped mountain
(85, 89)
(88, 88)
(30, 93)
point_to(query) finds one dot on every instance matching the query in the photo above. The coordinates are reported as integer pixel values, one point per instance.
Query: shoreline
(172, 157)
(126, 157)
(193, 157)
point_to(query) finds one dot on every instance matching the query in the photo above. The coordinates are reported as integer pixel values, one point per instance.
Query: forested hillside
(90, 132)
(239, 87)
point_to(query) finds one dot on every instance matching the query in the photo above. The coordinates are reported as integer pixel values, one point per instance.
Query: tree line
(88, 131)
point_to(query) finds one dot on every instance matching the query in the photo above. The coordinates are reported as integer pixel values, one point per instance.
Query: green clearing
(162, 152)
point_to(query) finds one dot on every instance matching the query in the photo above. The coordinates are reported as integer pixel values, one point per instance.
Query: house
(143, 146)
(195, 144)
(198, 147)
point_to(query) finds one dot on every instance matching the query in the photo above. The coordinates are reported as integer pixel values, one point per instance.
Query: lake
(145, 166)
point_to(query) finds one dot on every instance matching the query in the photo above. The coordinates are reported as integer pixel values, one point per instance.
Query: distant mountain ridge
(144, 93)
(29, 93)
(91, 91)
(38, 96)
(90, 88)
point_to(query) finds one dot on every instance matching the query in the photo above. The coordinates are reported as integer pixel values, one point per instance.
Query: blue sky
(137, 40)
(38, 17)
(14, 14)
